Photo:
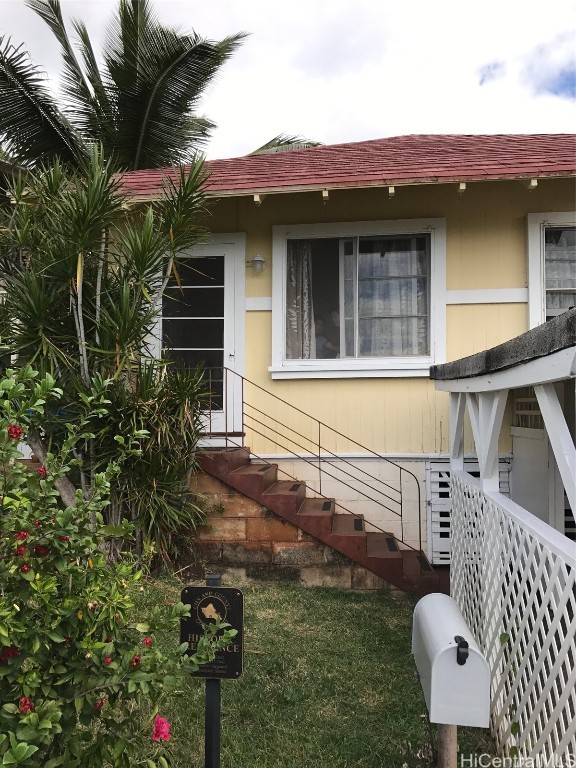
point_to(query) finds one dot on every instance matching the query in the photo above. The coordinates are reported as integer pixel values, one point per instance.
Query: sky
(338, 71)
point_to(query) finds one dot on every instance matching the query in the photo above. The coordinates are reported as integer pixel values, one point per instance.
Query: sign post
(209, 604)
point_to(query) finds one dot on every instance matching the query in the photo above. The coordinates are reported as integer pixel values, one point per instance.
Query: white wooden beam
(543, 370)
(486, 412)
(457, 411)
(491, 406)
(559, 437)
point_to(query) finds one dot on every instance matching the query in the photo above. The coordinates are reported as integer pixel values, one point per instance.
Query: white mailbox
(453, 672)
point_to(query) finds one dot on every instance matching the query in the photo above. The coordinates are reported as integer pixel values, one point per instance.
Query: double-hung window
(358, 299)
(552, 264)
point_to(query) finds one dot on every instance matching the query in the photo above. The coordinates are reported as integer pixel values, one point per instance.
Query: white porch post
(457, 410)
(486, 411)
(559, 437)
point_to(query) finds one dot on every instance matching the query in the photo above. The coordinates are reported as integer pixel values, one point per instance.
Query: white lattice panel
(510, 580)
(440, 505)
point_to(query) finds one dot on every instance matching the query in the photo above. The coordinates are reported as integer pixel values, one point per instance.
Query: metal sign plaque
(207, 605)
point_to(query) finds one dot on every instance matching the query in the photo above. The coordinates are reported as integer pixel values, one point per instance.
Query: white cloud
(348, 70)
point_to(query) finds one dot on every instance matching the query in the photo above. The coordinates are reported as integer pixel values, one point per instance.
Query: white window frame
(283, 368)
(537, 223)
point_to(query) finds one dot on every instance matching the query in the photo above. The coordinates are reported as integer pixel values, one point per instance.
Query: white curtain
(300, 334)
(393, 306)
(560, 269)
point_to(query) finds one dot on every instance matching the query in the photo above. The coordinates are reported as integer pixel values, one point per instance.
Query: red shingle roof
(417, 159)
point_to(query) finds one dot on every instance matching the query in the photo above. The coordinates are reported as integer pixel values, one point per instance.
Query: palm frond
(159, 76)
(285, 143)
(77, 92)
(33, 129)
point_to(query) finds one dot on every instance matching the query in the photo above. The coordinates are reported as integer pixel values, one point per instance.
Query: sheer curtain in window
(560, 253)
(300, 339)
(393, 300)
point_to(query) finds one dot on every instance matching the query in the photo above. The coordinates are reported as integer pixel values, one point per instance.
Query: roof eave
(337, 185)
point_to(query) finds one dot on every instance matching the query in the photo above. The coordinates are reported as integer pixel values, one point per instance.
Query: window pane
(393, 257)
(193, 271)
(402, 296)
(200, 334)
(312, 298)
(560, 257)
(212, 361)
(385, 303)
(388, 337)
(193, 302)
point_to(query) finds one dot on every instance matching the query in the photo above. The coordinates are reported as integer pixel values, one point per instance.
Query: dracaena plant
(83, 277)
(80, 682)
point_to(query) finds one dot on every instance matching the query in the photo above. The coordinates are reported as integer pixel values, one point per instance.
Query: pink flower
(41, 550)
(64, 538)
(25, 568)
(107, 659)
(15, 432)
(161, 729)
(20, 551)
(37, 523)
(42, 471)
(147, 642)
(22, 535)
(135, 660)
(100, 703)
(26, 705)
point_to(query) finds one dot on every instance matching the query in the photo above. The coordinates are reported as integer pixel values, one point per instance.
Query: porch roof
(394, 161)
(553, 336)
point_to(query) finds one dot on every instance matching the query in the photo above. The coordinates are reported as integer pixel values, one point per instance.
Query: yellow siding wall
(486, 249)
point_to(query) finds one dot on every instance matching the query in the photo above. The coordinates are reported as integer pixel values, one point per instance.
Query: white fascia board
(544, 370)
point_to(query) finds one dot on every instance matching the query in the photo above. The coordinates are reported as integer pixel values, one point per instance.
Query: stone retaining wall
(247, 542)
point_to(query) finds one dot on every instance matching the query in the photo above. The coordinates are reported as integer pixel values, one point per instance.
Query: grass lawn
(329, 682)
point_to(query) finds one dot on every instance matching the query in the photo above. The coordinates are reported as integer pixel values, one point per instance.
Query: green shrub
(74, 671)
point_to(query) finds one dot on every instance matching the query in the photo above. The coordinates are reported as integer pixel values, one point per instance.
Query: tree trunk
(63, 485)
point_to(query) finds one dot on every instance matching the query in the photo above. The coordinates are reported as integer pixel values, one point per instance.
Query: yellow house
(334, 278)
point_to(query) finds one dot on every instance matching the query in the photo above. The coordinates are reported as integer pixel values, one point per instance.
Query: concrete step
(348, 525)
(382, 545)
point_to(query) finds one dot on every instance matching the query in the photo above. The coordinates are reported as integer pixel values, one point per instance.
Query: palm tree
(140, 105)
(284, 143)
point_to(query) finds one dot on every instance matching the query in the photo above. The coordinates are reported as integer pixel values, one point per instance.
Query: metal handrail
(319, 457)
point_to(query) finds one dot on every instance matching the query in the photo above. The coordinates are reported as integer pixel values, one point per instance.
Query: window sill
(352, 369)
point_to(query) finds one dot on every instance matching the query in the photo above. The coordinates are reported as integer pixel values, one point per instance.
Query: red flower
(64, 538)
(20, 551)
(107, 659)
(15, 432)
(25, 568)
(42, 471)
(22, 535)
(161, 729)
(100, 703)
(26, 705)
(41, 550)
(135, 660)
(8, 652)
(147, 642)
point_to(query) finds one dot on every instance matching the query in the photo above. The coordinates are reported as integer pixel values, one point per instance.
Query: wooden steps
(378, 552)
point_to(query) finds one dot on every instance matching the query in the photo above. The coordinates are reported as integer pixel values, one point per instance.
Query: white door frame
(232, 246)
